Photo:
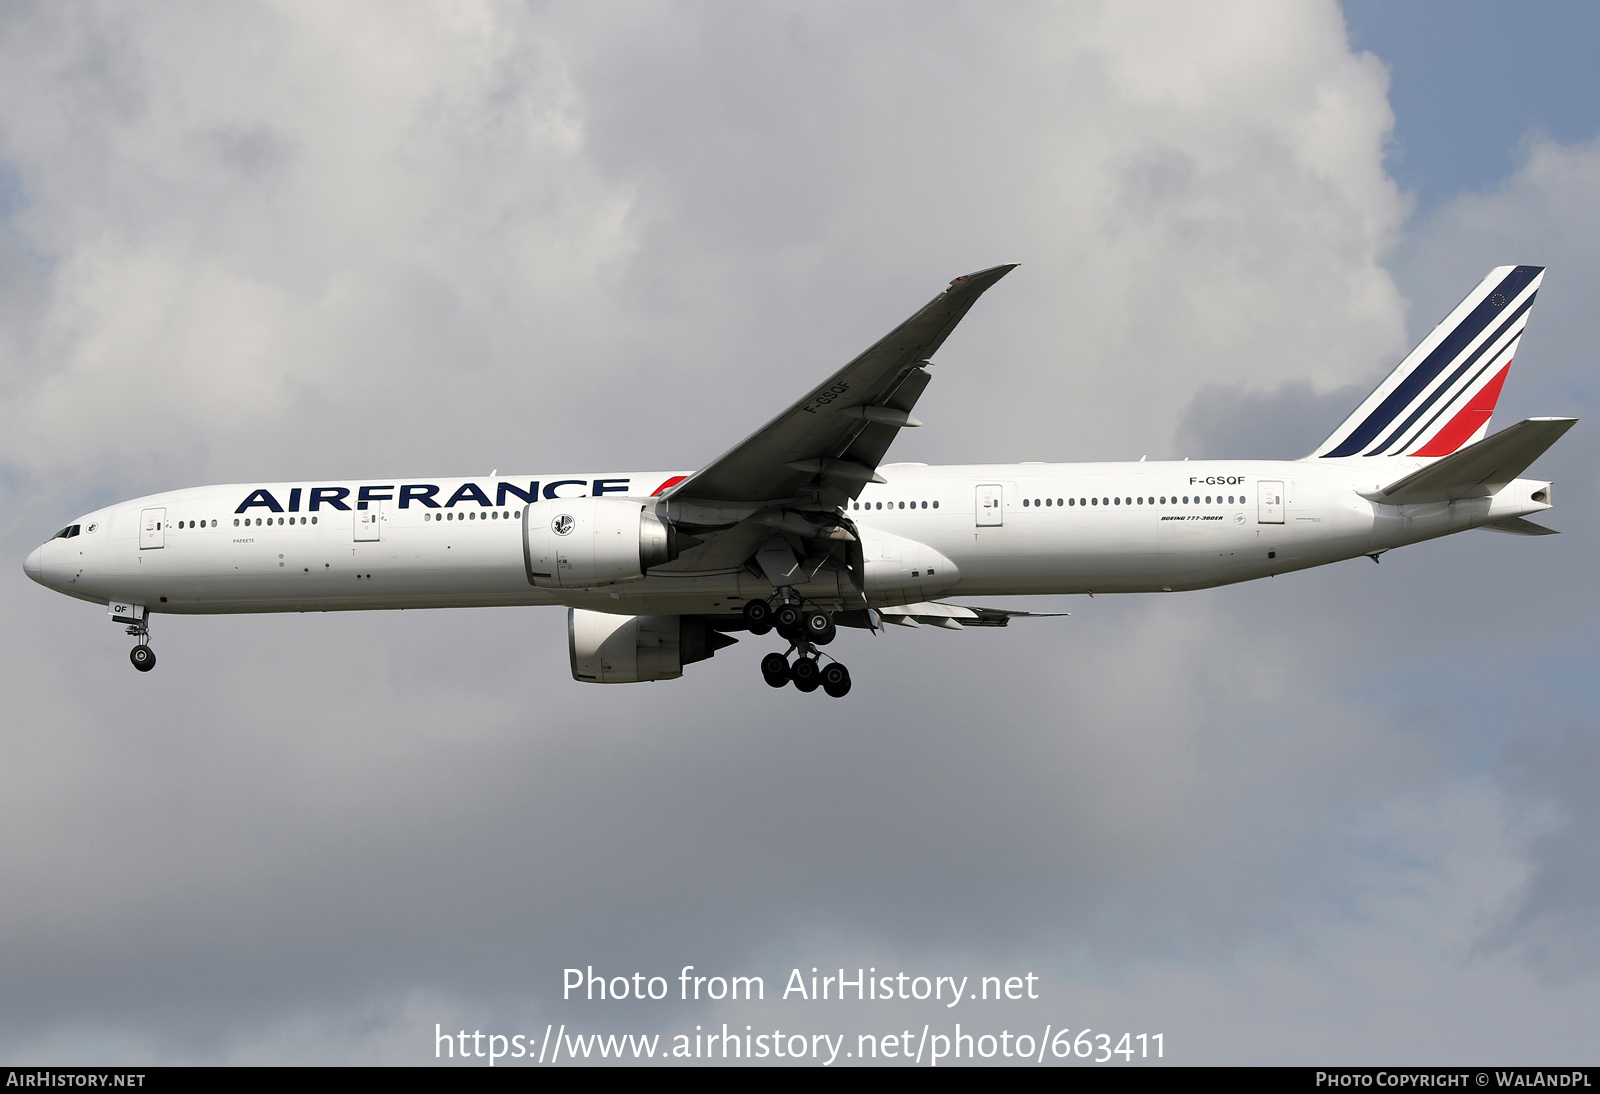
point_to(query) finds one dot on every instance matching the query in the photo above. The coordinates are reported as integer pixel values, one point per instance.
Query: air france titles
(427, 495)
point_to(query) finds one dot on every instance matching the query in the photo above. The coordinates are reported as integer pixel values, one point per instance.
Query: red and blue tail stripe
(1442, 395)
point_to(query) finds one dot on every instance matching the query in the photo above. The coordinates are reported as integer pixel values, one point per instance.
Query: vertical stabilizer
(1441, 396)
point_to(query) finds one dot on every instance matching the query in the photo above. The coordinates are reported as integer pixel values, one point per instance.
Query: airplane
(801, 528)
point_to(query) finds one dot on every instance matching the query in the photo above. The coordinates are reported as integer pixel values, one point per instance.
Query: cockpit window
(66, 533)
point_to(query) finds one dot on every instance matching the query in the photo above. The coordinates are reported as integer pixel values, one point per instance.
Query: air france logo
(563, 525)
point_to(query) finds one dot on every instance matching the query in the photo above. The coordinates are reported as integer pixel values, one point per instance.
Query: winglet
(983, 278)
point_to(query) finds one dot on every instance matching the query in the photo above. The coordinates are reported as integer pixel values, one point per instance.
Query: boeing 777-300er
(802, 528)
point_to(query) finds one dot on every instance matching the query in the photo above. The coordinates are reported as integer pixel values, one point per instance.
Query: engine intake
(576, 543)
(625, 649)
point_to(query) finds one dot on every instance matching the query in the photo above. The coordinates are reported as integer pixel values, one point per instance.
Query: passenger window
(236, 522)
(936, 505)
(1094, 501)
(1070, 501)
(1024, 503)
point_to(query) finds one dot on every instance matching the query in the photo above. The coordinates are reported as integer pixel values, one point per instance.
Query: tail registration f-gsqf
(802, 528)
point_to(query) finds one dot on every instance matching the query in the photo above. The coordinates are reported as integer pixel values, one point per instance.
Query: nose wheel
(806, 629)
(142, 656)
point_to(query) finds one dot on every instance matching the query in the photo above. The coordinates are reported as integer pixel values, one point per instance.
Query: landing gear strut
(142, 656)
(806, 629)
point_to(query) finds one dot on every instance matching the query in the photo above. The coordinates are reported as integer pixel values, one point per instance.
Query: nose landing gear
(142, 656)
(806, 629)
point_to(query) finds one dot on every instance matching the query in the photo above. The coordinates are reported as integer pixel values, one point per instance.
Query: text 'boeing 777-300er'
(802, 528)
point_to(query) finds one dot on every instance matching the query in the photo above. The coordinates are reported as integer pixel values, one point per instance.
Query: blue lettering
(602, 487)
(418, 492)
(550, 490)
(262, 498)
(469, 492)
(294, 500)
(366, 494)
(330, 495)
(506, 488)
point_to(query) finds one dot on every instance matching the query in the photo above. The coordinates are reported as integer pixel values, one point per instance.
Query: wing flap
(956, 616)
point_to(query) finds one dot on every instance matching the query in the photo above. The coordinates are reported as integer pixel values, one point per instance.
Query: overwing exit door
(991, 505)
(152, 529)
(1269, 503)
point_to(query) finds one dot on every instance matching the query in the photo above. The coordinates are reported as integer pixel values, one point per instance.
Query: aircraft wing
(1481, 469)
(827, 446)
(955, 617)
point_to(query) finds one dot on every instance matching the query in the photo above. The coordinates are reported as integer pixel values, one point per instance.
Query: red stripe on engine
(1468, 421)
(669, 484)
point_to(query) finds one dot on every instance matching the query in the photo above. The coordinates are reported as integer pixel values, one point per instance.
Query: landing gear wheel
(758, 616)
(143, 658)
(775, 670)
(805, 674)
(836, 680)
(819, 628)
(789, 620)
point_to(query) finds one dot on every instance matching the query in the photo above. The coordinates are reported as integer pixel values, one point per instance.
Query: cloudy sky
(1345, 817)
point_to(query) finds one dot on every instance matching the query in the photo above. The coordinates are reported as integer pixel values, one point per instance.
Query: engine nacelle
(625, 649)
(578, 543)
(903, 571)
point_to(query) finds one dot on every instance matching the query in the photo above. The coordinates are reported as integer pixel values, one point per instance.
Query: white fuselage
(1046, 528)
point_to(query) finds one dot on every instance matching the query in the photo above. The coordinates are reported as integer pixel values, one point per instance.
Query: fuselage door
(991, 505)
(152, 529)
(1269, 502)
(368, 522)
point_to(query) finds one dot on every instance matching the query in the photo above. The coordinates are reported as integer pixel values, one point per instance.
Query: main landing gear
(806, 629)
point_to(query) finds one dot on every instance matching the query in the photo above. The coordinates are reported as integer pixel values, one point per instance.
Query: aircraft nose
(34, 567)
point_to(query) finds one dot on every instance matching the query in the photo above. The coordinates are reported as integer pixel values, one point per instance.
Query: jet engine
(576, 543)
(624, 649)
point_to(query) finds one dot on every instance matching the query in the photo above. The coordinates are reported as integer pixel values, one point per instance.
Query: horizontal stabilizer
(1481, 469)
(1518, 526)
